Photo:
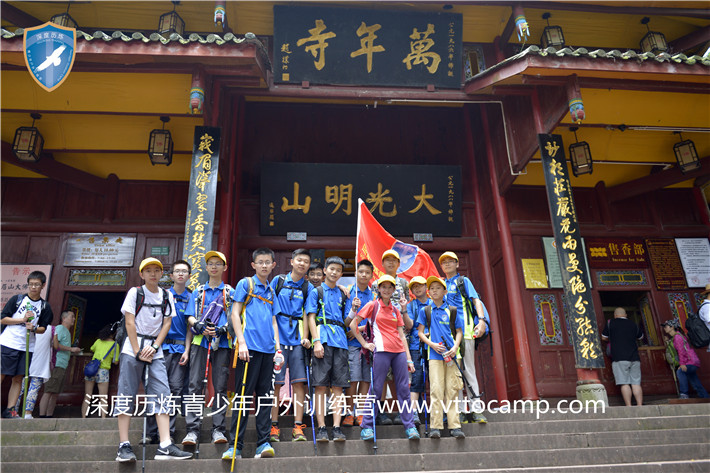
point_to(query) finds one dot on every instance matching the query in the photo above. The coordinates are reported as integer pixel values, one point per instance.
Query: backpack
(247, 300)
(324, 321)
(472, 313)
(280, 280)
(698, 333)
(672, 354)
(165, 309)
(452, 323)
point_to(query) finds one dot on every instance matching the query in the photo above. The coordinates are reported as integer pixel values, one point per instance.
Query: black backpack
(321, 308)
(452, 323)
(140, 302)
(280, 280)
(698, 333)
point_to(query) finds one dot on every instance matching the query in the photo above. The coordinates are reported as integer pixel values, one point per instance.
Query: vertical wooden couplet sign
(201, 202)
(586, 343)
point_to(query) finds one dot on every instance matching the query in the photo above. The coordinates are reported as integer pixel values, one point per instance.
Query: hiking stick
(463, 377)
(27, 373)
(374, 405)
(145, 417)
(239, 414)
(204, 390)
(426, 411)
(310, 395)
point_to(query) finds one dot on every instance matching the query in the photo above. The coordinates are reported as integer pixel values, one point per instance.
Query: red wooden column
(517, 314)
(238, 132)
(497, 360)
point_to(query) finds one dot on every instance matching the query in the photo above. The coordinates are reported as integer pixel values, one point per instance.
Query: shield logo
(49, 52)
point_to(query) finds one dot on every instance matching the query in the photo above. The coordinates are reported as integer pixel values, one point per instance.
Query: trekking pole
(239, 414)
(204, 390)
(374, 404)
(426, 411)
(465, 381)
(310, 395)
(25, 382)
(145, 417)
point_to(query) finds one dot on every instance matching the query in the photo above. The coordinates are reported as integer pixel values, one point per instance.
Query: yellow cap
(387, 278)
(432, 279)
(148, 262)
(417, 280)
(448, 254)
(219, 255)
(391, 253)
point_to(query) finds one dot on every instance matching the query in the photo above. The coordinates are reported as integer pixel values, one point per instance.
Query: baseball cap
(387, 278)
(148, 262)
(391, 253)
(417, 280)
(218, 254)
(448, 254)
(432, 279)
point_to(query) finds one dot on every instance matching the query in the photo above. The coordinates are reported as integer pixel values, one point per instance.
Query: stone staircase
(654, 438)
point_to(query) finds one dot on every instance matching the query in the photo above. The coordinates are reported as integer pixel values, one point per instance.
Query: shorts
(296, 362)
(131, 375)
(359, 367)
(100, 377)
(627, 372)
(331, 370)
(417, 384)
(55, 385)
(13, 361)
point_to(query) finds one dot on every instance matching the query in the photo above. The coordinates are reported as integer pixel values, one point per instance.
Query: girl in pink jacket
(689, 361)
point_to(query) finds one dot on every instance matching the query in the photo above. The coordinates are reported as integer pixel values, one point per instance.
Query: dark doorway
(101, 308)
(638, 309)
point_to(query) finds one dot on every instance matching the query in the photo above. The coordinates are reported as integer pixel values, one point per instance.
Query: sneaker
(348, 421)
(358, 420)
(218, 437)
(338, 435)
(297, 433)
(463, 418)
(275, 433)
(28, 416)
(458, 433)
(265, 450)
(479, 418)
(383, 419)
(415, 419)
(10, 414)
(230, 454)
(682, 396)
(412, 433)
(367, 434)
(322, 435)
(171, 452)
(435, 434)
(190, 438)
(125, 454)
(397, 420)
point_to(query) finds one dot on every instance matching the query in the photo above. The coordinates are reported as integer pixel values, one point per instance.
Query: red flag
(373, 240)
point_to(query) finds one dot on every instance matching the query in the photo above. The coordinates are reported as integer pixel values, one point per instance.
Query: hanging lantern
(160, 145)
(686, 155)
(654, 42)
(220, 13)
(64, 19)
(580, 156)
(171, 22)
(552, 36)
(521, 24)
(28, 143)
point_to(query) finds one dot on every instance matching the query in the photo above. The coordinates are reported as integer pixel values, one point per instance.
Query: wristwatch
(155, 347)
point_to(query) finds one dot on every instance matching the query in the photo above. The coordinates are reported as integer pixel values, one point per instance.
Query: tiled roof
(613, 55)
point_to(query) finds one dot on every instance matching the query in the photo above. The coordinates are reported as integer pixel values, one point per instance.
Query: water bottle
(278, 361)
(447, 359)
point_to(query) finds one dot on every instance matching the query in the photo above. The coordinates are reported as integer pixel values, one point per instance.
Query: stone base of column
(591, 391)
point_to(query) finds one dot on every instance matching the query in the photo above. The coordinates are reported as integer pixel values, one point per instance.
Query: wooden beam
(637, 10)
(52, 169)
(656, 181)
(17, 17)
(618, 84)
(691, 40)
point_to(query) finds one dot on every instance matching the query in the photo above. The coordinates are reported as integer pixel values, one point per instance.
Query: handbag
(92, 367)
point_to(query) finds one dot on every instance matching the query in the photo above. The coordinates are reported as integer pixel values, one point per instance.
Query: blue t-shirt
(185, 307)
(210, 294)
(290, 302)
(258, 316)
(440, 329)
(330, 334)
(365, 296)
(453, 298)
(413, 308)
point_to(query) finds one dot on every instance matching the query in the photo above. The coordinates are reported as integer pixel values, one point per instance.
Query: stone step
(85, 436)
(682, 466)
(106, 451)
(542, 459)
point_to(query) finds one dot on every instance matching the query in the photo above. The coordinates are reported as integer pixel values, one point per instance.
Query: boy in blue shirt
(291, 291)
(325, 308)
(444, 378)
(418, 287)
(475, 326)
(257, 336)
(360, 295)
(209, 326)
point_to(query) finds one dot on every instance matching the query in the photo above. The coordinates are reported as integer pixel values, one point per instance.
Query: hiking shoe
(229, 454)
(125, 454)
(338, 435)
(358, 420)
(435, 434)
(458, 433)
(297, 433)
(415, 419)
(275, 433)
(412, 433)
(682, 396)
(348, 421)
(190, 438)
(265, 450)
(218, 437)
(397, 420)
(383, 419)
(367, 434)
(479, 418)
(322, 435)
(171, 452)
(463, 418)
(10, 414)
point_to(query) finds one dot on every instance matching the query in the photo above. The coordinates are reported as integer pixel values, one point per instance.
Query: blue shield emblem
(49, 52)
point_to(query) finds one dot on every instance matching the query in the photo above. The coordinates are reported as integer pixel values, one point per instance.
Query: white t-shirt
(39, 368)
(15, 336)
(150, 319)
(704, 313)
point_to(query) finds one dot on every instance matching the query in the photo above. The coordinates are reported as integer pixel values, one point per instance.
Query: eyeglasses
(181, 271)
(215, 265)
(264, 263)
(34, 284)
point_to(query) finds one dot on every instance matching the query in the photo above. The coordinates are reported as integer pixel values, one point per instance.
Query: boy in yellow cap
(418, 287)
(148, 312)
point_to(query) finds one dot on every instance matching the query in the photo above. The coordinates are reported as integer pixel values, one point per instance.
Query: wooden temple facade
(95, 177)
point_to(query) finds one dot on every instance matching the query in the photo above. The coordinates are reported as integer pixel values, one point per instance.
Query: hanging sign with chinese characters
(577, 293)
(321, 199)
(617, 253)
(367, 47)
(99, 249)
(199, 221)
